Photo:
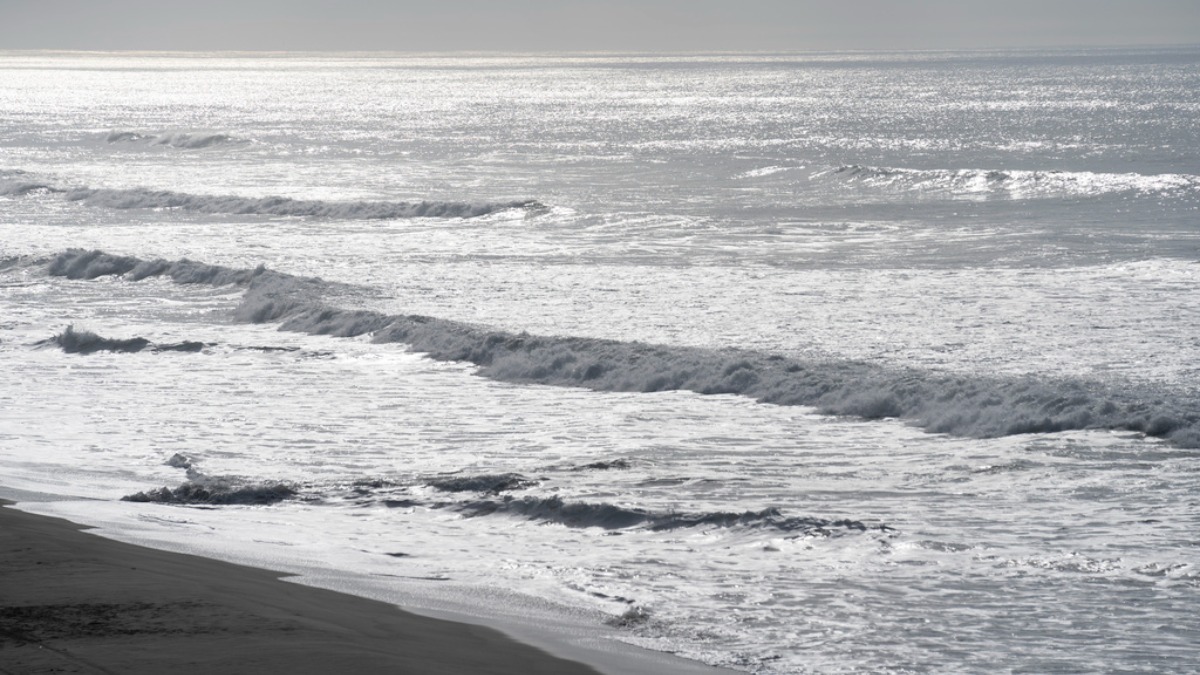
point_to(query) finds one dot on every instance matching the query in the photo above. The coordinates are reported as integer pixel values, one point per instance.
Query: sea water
(783, 363)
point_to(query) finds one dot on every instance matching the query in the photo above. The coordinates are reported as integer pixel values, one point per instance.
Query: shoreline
(81, 602)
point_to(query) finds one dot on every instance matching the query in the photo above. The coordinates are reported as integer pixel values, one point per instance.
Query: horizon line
(613, 52)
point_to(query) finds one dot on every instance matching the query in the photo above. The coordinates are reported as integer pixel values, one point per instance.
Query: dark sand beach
(72, 602)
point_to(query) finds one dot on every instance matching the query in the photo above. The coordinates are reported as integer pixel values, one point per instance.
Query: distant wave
(79, 264)
(18, 183)
(604, 465)
(762, 172)
(1013, 183)
(489, 483)
(178, 139)
(959, 404)
(139, 198)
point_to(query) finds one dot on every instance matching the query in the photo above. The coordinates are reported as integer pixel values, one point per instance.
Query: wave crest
(216, 491)
(74, 341)
(489, 483)
(958, 404)
(1012, 183)
(16, 183)
(613, 517)
(83, 264)
(178, 139)
(85, 342)
(138, 198)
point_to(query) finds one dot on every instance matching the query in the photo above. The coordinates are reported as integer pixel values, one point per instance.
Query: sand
(72, 602)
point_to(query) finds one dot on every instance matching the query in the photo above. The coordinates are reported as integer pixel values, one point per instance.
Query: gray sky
(584, 25)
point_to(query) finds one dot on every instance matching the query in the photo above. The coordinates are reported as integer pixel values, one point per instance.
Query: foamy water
(782, 363)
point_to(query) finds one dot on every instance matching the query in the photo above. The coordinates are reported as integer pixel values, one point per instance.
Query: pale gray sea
(787, 363)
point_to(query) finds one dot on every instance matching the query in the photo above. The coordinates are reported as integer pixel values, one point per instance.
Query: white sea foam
(763, 172)
(560, 419)
(955, 404)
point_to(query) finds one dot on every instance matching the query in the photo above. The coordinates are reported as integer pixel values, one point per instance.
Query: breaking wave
(612, 517)
(1015, 184)
(489, 483)
(605, 465)
(139, 198)
(80, 264)
(86, 342)
(178, 139)
(219, 491)
(74, 341)
(958, 404)
(213, 490)
(16, 183)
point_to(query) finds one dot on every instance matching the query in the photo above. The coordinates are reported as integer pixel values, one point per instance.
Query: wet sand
(72, 602)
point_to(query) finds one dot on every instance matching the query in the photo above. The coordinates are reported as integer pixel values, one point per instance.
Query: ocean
(784, 363)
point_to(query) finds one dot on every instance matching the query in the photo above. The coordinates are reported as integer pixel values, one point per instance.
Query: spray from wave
(202, 489)
(958, 404)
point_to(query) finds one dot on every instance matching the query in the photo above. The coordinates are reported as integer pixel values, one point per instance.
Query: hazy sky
(555, 25)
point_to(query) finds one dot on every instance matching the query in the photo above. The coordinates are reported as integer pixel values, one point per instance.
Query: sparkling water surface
(975, 219)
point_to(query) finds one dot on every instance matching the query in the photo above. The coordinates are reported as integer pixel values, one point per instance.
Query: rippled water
(785, 363)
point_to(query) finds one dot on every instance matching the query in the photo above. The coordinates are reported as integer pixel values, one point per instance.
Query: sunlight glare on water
(875, 362)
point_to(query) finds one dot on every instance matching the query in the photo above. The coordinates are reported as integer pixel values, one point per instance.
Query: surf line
(956, 404)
